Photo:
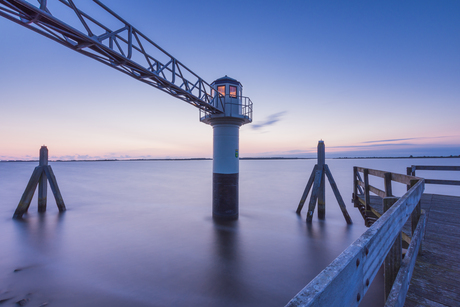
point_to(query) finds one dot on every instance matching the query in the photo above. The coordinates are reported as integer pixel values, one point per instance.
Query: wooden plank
(307, 190)
(405, 179)
(376, 191)
(436, 293)
(28, 194)
(394, 176)
(444, 219)
(314, 195)
(436, 277)
(444, 182)
(401, 285)
(337, 195)
(55, 188)
(442, 274)
(345, 281)
(437, 167)
(414, 300)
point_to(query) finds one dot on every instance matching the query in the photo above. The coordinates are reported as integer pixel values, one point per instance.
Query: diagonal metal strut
(124, 49)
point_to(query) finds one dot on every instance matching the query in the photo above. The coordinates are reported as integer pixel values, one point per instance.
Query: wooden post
(317, 180)
(42, 184)
(367, 197)
(41, 175)
(314, 195)
(307, 189)
(393, 259)
(355, 187)
(415, 216)
(388, 190)
(322, 187)
(409, 173)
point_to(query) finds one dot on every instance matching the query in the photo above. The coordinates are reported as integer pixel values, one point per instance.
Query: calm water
(140, 234)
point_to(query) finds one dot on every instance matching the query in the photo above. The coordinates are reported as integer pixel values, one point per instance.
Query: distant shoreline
(247, 158)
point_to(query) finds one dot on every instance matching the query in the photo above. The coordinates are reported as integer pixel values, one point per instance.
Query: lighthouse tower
(236, 111)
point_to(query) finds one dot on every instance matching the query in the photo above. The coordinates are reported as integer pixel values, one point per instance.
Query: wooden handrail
(345, 281)
(411, 171)
(437, 167)
(406, 179)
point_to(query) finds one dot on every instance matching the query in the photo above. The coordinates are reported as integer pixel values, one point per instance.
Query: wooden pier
(436, 277)
(415, 238)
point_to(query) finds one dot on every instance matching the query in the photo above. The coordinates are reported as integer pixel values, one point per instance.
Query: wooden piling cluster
(41, 175)
(317, 181)
(346, 280)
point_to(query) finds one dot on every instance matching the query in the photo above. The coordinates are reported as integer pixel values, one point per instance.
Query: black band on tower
(225, 196)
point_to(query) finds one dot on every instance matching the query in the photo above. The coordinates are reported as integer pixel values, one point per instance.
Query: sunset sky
(370, 78)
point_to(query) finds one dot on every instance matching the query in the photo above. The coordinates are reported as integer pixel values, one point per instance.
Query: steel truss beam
(124, 49)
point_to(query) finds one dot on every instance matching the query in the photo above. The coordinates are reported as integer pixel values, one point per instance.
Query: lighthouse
(236, 111)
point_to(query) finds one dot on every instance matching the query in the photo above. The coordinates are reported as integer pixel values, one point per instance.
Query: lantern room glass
(232, 91)
(221, 90)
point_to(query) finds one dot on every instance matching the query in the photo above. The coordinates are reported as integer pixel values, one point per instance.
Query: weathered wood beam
(337, 194)
(437, 167)
(388, 189)
(314, 195)
(439, 181)
(42, 184)
(55, 188)
(28, 194)
(394, 176)
(307, 189)
(322, 187)
(377, 192)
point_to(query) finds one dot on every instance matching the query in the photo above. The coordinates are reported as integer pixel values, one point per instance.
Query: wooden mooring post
(41, 175)
(393, 259)
(317, 180)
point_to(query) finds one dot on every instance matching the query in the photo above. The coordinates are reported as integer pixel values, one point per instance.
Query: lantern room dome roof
(226, 79)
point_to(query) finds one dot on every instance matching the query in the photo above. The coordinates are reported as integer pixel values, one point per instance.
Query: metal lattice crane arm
(125, 49)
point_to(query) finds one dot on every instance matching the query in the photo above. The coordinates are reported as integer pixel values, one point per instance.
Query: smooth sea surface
(140, 233)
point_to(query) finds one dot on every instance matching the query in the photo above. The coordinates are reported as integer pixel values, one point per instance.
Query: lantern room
(228, 97)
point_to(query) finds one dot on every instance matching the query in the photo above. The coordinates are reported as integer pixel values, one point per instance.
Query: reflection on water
(226, 279)
(141, 234)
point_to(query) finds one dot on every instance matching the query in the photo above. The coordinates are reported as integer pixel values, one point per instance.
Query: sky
(370, 78)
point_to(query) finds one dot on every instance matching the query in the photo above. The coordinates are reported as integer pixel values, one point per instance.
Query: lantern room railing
(237, 107)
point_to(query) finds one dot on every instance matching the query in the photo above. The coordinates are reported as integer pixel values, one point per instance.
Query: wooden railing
(346, 280)
(362, 188)
(411, 171)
